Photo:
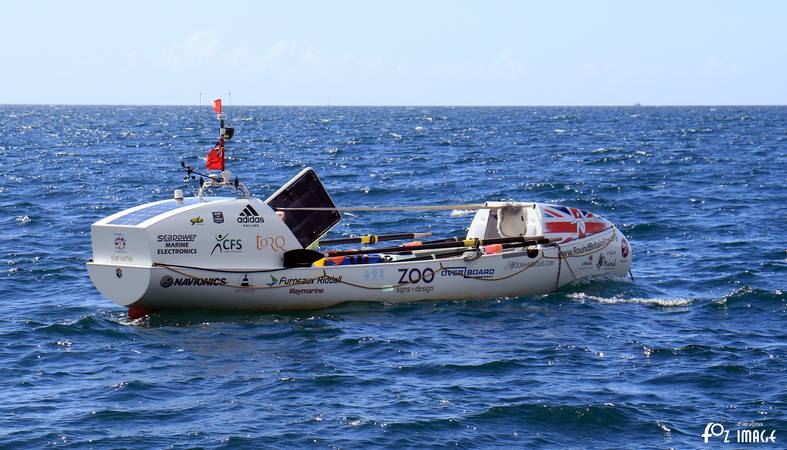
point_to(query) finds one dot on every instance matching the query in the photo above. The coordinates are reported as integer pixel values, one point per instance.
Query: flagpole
(220, 116)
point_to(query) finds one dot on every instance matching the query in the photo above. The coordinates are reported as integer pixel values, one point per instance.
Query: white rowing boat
(244, 253)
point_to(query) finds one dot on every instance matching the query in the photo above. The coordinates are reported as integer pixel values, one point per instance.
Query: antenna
(229, 94)
(215, 161)
(229, 131)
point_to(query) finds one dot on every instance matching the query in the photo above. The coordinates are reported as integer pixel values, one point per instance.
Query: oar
(394, 208)
(370, 239)
(304, 257)
(474, 243)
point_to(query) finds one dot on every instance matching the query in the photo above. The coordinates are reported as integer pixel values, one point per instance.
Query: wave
(747, 295)
(582, 420)
(698, 350)
(496, 368)
(87, 325)
(664, 302)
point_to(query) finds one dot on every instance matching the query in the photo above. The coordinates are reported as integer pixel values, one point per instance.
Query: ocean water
(699, 336)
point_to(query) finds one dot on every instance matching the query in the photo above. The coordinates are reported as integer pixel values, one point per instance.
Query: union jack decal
(571, 223)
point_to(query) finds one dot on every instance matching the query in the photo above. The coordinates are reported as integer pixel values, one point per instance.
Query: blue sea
(699, 336)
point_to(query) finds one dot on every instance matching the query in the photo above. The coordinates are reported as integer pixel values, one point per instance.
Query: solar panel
(141, 215)
(305, 190)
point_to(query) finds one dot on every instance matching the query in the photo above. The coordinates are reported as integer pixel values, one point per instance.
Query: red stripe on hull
(595, 227)
(561, 227)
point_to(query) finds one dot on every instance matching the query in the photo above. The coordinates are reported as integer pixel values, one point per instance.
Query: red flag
(215, 160)
(217, 105)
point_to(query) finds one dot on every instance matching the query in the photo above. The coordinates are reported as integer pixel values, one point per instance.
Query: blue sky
(395, 53)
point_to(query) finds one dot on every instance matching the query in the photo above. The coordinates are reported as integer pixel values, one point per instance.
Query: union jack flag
(571, 223)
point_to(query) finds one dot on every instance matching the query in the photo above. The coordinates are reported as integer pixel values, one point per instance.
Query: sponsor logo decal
(168, 280)
(176, 244)
(604, 263)
(176, 237)
(418, 289)
(197, 220)
(120, 242)
(226, 245)
(413, 276)
(301, 291)
(218, 217)
(513, 265)
(466, 272)
(275, 243)
(249, 217)
(120, 247)
(243, 282)
(119, 272)
(286, 281)
(589, 247)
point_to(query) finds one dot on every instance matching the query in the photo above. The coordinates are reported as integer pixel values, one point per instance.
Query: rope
(559, 266)
(186, 274)
(569, 265)
(561, 255)
(325, 274)
(238, 286)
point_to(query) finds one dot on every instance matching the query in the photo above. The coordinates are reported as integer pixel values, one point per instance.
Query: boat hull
(541, 270)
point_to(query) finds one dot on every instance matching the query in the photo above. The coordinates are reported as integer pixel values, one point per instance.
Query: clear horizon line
(414, 105)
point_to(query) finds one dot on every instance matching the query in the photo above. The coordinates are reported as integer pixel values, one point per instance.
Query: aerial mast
(215, 161)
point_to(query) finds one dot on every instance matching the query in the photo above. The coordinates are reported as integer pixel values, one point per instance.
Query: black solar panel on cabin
(306, 191)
